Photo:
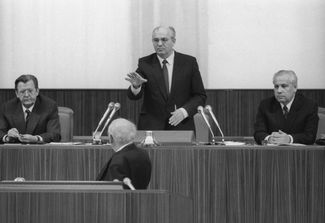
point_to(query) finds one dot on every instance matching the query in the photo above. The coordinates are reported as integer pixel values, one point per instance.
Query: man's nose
(160, 42)
(280, 90)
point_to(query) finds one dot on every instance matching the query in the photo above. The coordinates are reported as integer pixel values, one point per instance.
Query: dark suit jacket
(43, 121)
(186, 91)
(131, 162)
(301, 123)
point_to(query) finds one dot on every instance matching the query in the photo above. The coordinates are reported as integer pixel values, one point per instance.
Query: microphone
(128, 183)
(19, 179)
(116, 107)
(201, 111)
(109, 108)
(209, 108)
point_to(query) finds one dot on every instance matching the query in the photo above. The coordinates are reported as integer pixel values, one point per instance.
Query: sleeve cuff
(39, 138)
(184, 112)
(134, 90)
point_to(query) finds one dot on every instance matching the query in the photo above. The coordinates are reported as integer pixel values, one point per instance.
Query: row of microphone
(208, 108)
(112, 108)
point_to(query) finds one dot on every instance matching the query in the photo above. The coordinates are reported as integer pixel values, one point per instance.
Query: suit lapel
(158, 75)
(281, 121)
(19, 119)
(177, 69)
(296, 104)
(34, 118)
(32, 122)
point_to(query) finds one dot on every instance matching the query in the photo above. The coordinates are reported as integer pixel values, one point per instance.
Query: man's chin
(28, 104)
(281, 100)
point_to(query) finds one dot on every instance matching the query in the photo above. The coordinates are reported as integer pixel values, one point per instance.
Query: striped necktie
(27, 115)
(285, 111)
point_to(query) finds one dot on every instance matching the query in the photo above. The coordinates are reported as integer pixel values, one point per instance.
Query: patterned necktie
(27, 115)
(165, 72)
(285, 111)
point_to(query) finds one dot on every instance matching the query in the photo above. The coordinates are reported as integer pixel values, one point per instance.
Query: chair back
(66, 123)
(202, 132)
(321, 122)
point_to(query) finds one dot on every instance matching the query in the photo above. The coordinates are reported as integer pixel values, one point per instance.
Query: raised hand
(135, 79)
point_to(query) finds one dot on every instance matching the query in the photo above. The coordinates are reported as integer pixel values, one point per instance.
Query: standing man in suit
(288, 117)
(128, 161)
(30, 117)
(170, 83)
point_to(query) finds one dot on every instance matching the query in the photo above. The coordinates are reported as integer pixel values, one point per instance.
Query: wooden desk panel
(97, 206)
(227, 184)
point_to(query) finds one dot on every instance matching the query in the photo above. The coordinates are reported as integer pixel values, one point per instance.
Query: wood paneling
(249, 184)
(235, 109)
(69, 206)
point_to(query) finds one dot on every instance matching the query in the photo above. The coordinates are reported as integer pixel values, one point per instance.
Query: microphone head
(200, 109)
(126, 180)
(117, 106)
(111, 105)
(208, 107)
(19, 179)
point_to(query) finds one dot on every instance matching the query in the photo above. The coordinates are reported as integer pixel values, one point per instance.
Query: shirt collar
(169, 59)
(30, 108)
(289, 104)
(122, 147)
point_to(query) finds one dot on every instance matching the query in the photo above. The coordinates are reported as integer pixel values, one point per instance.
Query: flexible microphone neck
(208, 107)
(115, 109)
(109, 108)
(201, 112)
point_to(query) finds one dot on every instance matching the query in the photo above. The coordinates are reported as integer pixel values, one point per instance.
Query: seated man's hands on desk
(25, 138)
(279, 137)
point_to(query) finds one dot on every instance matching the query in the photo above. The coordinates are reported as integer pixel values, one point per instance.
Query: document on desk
(67, 143)
(286, 144)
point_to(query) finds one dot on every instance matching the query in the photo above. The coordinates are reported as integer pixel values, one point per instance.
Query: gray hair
(292, 76)
(171, 29)
(122, 130)
(25, 78)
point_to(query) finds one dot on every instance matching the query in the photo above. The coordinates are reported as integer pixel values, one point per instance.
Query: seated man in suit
(128, 161)
(170, 83)
(30, 117)
(287, 117)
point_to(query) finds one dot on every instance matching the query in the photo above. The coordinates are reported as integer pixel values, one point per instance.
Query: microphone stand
(208, 107)
(201, 111)
(112, 108)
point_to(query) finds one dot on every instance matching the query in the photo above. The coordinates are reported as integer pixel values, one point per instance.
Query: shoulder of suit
(45, 99)
(269, 100)
(304, 100)
(11, 103)
(177, 54)
(149, 57)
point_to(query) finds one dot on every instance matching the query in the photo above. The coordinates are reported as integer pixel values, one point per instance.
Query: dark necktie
(285, 111)
(165, 72)
(27, 115)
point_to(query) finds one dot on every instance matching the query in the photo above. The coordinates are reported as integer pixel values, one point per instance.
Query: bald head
(122, 131)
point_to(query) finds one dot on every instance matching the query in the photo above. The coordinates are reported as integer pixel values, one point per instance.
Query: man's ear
(111, 139)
